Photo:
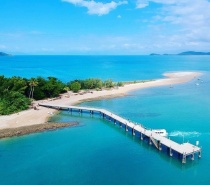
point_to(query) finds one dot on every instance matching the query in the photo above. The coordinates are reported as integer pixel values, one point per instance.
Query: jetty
(180, 151)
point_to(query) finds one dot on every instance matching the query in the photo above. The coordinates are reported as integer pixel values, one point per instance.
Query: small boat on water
(162, 132)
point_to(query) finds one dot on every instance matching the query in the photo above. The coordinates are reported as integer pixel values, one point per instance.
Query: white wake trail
(184, 134)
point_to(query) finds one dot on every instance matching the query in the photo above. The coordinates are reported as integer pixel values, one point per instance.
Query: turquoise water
(99, 152)
(116, 67)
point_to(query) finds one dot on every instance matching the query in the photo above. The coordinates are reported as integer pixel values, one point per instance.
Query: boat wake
(185, 134)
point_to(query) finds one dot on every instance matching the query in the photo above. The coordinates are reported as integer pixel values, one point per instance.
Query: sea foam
(185, 134)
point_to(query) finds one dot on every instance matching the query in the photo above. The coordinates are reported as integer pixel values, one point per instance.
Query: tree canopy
(12, 95)
(17, 93)
(75, 86)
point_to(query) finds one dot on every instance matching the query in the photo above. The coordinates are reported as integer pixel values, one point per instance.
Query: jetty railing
(182, 151)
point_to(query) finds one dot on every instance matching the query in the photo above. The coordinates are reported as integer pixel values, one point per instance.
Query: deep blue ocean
(97, 152)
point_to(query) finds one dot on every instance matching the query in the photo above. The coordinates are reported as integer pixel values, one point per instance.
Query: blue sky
(104, 27)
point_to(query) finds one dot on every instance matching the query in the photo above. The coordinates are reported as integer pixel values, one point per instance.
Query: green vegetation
(91, 83)
(75, 86)
(32, 83)
(12, 95)
(45, 88)
(12, 102)
(17, 94)
(120, 84)
(108, 83)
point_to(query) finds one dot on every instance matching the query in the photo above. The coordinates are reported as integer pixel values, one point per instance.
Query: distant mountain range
(194, 53)
(186, 53)
(4, 54)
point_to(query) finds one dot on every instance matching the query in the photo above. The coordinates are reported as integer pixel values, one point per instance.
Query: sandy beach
(42, 114)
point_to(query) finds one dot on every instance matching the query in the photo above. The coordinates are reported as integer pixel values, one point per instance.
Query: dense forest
(17, 94)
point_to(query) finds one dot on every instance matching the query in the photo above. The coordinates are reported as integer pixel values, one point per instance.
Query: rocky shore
(19, 131)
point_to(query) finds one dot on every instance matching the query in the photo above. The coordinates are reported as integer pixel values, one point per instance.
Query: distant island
(185, 53)
(154, 54)
(4, 54)
(194, 53)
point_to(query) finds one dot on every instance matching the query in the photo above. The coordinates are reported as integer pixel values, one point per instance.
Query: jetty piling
(184, 150)
(171, 154)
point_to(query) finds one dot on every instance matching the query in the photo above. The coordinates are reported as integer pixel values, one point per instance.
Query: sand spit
(42, 114)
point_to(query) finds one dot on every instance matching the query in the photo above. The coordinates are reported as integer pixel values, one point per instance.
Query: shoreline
(40, 116)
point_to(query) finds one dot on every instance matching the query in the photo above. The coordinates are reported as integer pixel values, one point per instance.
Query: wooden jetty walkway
(182, 151)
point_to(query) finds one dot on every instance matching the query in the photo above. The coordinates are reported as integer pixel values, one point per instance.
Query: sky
(115, 27)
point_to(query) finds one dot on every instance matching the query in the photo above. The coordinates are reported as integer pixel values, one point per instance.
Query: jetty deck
(183, 150)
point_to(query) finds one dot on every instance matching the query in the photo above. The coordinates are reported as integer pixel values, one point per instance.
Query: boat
(161, 132)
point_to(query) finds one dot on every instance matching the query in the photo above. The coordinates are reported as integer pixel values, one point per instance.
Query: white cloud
(185, 23)
(97, 8)
(142, 3)
(145, 3)
(182, 11)
(193, 18)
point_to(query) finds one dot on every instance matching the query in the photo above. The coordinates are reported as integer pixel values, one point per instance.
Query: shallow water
(99, 152)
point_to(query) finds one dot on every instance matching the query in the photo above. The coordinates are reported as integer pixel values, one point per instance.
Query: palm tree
(32, 83)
